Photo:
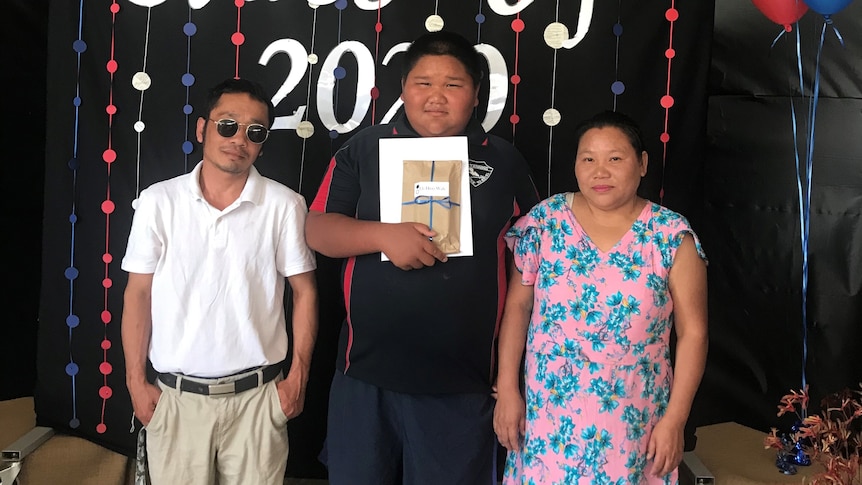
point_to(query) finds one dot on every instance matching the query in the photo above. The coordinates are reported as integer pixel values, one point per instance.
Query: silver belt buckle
(222, 389)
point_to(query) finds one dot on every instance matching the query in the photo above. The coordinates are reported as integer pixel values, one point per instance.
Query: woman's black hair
(617, 120)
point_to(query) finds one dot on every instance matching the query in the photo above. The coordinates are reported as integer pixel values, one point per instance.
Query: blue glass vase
(799, 456)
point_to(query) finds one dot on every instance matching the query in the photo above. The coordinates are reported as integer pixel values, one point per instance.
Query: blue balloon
(827, 7)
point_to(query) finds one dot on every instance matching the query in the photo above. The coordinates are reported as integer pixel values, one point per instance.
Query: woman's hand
(510, 419)
(665, 446)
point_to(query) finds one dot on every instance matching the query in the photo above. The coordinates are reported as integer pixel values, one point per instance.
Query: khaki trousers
(229, 440)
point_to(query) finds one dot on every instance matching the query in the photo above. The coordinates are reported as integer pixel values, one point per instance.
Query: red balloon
(782, 12)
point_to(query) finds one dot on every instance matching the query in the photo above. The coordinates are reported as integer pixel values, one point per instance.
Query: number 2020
(299, 65)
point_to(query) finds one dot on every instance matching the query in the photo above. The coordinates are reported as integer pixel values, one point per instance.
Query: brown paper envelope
(425, 199)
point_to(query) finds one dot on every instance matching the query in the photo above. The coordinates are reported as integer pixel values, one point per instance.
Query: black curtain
(761, 347)
(23, 137)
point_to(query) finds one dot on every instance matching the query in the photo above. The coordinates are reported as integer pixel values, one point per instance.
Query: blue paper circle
(618, 87)
(188, 147)
(340, 4)
(71, 369)
(190, 29)
(187, 109)
(76, 101)
(71, 273)
(79, 46)
(74, 163)
(333, 134)
(74, 423)
(188, 79)
(618, 29)
(73, 218)
(72, 321)
(339, 72)
(480, 18)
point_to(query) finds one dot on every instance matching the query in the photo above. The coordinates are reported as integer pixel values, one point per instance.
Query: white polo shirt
(218, 276)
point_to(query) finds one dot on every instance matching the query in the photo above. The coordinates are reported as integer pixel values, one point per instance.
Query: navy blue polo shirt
(431, 330)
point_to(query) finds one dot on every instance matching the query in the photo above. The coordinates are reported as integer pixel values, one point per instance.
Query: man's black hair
(231, 86)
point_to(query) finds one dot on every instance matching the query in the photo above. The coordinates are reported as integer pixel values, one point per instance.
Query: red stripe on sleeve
(319, 203)
(502, 281)
(502, 290)
(348, 283)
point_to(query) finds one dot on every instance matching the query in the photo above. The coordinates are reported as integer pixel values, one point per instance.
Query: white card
(393, 153)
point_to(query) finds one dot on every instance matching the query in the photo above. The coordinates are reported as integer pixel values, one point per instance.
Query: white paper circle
(141, 81)
(312, 58)
(555, 35)
(551, 117)
(305, 129)
(434, 23)
(139, 126)
(135, 204)
(147, 3)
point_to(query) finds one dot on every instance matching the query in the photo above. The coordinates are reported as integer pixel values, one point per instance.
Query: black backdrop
(751, 218)
(728, 165)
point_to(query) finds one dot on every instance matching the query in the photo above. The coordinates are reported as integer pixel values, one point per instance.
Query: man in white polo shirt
(207, 258)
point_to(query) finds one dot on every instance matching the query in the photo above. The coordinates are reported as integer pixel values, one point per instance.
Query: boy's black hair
(444, 43)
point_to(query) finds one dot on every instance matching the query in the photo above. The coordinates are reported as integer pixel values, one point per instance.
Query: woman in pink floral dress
(602, 278)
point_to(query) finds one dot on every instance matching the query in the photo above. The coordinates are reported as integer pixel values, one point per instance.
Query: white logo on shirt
(479, 172)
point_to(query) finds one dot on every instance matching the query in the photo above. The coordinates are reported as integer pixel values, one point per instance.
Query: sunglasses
(255, 132)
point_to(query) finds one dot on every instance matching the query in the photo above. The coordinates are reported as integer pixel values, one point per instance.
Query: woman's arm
(687, 284)
(510, 412)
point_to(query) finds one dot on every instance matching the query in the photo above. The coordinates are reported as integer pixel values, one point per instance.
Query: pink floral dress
(598, 371)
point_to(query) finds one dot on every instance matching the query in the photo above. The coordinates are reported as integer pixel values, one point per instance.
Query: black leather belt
(250, 381)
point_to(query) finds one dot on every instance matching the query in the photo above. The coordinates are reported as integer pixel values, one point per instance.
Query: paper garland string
(305, 128)
(71, 272)
(188, 80)
(672, 15)
(554, 35)
(238, 38)
(617, 87)
(517, 26)
(109, 156)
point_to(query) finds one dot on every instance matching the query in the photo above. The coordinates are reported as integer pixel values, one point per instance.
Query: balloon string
(780, 34)
(803, 225)
(805, 201)
(828, 21)
(799, 64)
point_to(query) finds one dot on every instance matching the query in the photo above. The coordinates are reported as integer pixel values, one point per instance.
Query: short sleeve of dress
(524, 240)
(670, 235)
